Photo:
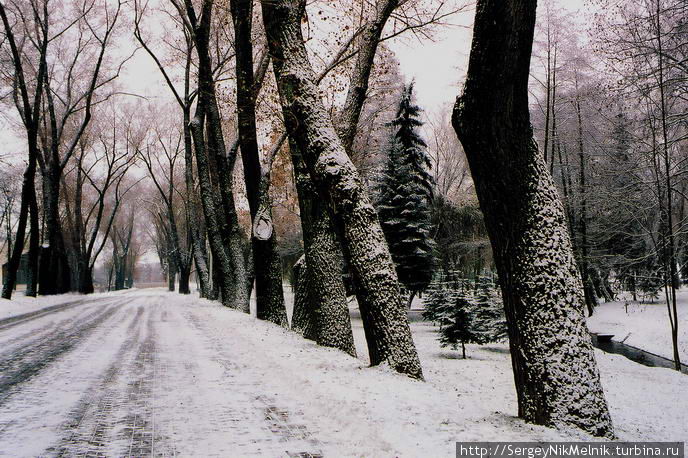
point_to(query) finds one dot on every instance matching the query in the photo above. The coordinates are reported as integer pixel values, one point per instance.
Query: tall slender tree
(267, 264)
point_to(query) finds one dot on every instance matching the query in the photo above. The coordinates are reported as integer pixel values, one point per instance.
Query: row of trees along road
(245, 85)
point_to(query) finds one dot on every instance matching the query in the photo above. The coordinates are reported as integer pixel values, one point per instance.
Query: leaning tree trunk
(339, 184)
(200, 255)
(557, 380)
(267, 264)
(321, 312)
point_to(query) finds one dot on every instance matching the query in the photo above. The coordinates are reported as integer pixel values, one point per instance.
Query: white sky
(438, 67)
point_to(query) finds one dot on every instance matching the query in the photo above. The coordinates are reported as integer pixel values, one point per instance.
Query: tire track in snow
(11, 340)
(118, 416)
(139, 420)
(22, 365)
(91, 418)
(25, 317)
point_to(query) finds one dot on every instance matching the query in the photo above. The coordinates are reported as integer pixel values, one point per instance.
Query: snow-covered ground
(152, 372)
(645, 326)
(21, 304)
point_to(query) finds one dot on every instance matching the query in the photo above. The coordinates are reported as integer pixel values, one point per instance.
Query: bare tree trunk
(171, 270)
(184, 275)
(338, 182)
(200, 254)
(671, 238)
(226, 239)
(303, 316)
(588, 290)
(266, 260)
(320, 307)
(15, 259)
(30, 116)
(34, 247)
(556, 376)
(55, 255)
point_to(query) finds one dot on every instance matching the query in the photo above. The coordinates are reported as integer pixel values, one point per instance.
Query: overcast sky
(438, 67)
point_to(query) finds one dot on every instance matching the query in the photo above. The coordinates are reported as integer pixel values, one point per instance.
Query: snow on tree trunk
(214, 162)
(338, 182)
(557, 380)
(320, 307)
(303, 317)
(200, 256)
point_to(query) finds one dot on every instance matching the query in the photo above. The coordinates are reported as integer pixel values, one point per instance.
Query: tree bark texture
(556, 376)
(214, 173)
(55, 255)
(339, 184)
(266, 259)
(320, 293)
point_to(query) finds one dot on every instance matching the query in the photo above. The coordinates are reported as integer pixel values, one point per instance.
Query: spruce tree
(489, 321)
(439, 303)
(460, 328)
(404, 199)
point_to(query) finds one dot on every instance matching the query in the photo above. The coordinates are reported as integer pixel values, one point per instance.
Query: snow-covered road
(131, 376)
(152, 373)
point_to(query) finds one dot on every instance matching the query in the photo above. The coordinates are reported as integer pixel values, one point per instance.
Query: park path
(133, 375)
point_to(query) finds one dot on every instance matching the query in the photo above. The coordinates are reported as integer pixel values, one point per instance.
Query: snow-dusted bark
(321, 312)
(557, 379)
(199, 253)
(303, 318)
(338, 182)
(214, 165)
(266, 260)
(222, 265)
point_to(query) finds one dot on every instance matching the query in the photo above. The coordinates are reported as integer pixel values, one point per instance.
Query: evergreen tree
(404, 199)
(489, 321)
(460, 328)
(439, 303)
(467, 315)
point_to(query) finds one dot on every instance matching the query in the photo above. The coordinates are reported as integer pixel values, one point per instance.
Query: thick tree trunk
(220, 259)
(321, 293)
(86, 280)
(303, 316)
(184, 275)
(557, 380)
(215, 164)
(338, 183)
(171, 274)
(34, 247)
(266, 260)
(199, 252)
(55, 255)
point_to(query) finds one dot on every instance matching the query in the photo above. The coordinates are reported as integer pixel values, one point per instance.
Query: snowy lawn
(374, 412)
(645, 326)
